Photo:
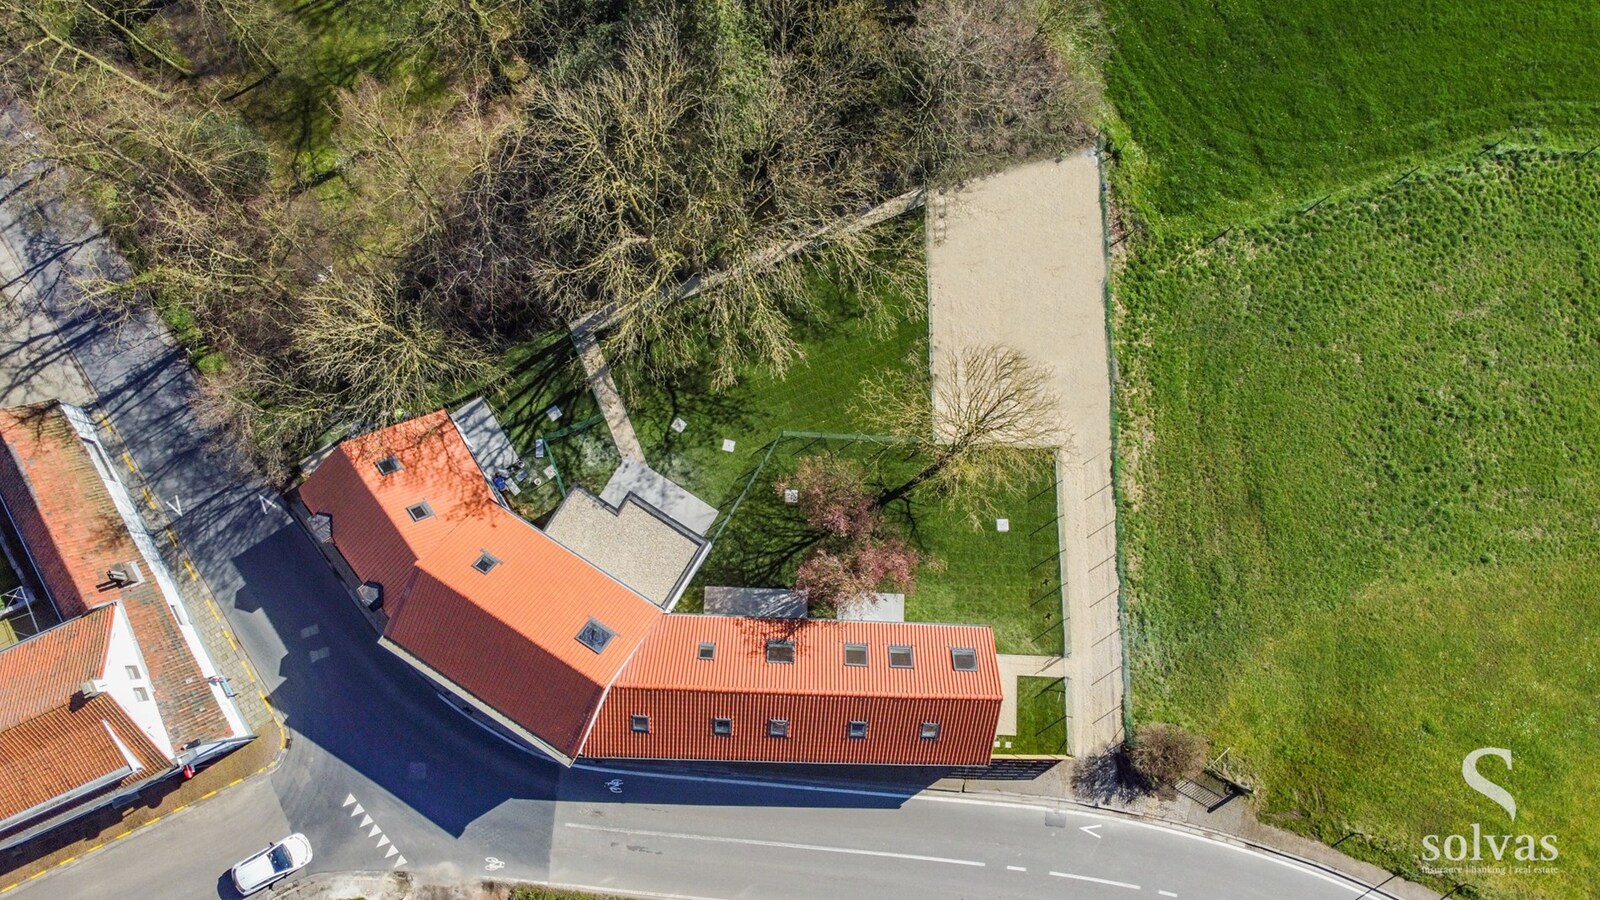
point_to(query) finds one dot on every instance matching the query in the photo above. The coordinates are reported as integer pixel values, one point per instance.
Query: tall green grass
(1364, 505)
(1233, 109)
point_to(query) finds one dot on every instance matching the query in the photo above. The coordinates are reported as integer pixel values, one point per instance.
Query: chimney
(126, 574)
(92, 688)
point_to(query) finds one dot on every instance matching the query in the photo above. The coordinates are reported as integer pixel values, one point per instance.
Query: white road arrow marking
(365, 821)
(176, 505)
(375, 831)
(267, 506)
(383, 840)
(398, 862)
(357, 811)
(348, 799)
(392, 851)
(1090, 830)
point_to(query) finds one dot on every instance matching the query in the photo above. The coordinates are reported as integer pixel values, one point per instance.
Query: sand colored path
(1017, 259)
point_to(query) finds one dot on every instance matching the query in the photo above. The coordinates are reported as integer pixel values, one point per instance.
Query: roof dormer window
(388, 465)
(780, 651)
(963, 659)
(419, 511)
(899, 656)
(595, 636)
(486, 561)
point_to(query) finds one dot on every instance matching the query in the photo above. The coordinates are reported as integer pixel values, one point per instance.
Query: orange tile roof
(817, 694)
(371, 527)
(509, 637)
(51, 739)
(75, 535)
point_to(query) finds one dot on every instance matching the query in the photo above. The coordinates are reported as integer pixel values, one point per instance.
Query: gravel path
(1017, 259)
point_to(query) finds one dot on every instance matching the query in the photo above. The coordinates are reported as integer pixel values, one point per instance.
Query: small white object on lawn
(791, 495)
(549, 471)
(679, 425)
(553, 413)
(1002, 524)
(727, 445)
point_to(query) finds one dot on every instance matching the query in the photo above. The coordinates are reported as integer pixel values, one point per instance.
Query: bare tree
(996, 86)
(381, 354)
(989, 411)
(1166, 754)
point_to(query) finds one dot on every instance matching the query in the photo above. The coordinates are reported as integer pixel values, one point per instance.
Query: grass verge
(1041, 718)
(1362, 502)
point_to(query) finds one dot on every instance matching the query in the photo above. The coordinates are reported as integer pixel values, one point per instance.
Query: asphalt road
(382, 773)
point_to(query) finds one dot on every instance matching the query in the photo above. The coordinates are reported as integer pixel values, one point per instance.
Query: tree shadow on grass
(1110, 777)
(763, 547)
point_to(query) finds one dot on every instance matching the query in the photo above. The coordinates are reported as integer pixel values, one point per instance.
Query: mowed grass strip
(1363, 505)
(1240, 108)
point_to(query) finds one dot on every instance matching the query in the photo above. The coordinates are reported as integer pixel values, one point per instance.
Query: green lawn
(1009, 581)
(841, 350)
(1041, 718)
(1362, 507)
(535, 377)
(1239, 108)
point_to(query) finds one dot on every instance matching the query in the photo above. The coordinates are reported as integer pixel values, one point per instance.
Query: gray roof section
(636, 478)
(763, 603)
(484, 437)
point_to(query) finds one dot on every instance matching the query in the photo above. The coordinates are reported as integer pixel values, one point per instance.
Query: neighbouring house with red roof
(121, 692)
(574, 661)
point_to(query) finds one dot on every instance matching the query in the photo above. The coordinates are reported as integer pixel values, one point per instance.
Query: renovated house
(121, 691)
(559, 650)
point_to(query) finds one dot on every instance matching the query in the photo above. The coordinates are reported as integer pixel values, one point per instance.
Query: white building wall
(126, 674)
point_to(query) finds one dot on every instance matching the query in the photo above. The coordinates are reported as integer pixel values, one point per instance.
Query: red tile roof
(75, 535)
(817, 694)
(52, 739)
(37, 674)
(509, 637)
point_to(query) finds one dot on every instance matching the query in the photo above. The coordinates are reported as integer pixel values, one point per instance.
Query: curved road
(382, 773)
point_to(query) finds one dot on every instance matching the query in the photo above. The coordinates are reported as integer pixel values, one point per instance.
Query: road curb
(1201, 831)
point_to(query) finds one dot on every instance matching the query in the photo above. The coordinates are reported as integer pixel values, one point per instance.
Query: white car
(277, 861)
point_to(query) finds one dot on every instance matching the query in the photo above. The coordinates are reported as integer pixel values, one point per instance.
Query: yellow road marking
(67, 860)
(151, 822)
(172, 537)
(150, 498)
(8, 887)
(93, 849)
(234, 782)
(192, 573)
(208, 794)
(123, 835)
(229, 635)
(178, 809)
(250, 674)
(37, 874)
(128, 461)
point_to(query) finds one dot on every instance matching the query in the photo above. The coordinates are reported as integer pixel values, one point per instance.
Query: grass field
(983, 577)
(1363, 505)
(1239, 108)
